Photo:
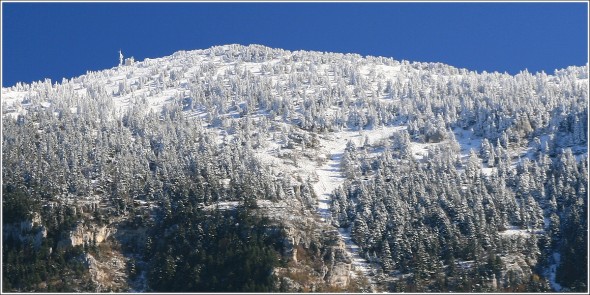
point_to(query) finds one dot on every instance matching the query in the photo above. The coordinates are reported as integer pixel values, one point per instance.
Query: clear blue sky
(56, 40)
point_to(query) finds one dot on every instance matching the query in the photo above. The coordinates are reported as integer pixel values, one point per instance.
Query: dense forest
(200, 251)
(165, 168)
(426, 218)
(212, 252)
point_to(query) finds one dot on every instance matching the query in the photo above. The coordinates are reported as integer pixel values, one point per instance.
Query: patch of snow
(516, 231)
(224, 205)
(420, 150)
(488, 171)
(466, 264)
(358, 262)
(467, 140)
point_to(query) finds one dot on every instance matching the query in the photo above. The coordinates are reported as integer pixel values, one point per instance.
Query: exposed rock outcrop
(86, 234)
(107, 272)
(316, 255)
(338, 262)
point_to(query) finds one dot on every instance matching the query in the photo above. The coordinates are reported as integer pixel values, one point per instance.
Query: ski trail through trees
(330, 177)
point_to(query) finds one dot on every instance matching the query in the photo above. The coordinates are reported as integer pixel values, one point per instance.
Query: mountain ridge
(237, 45)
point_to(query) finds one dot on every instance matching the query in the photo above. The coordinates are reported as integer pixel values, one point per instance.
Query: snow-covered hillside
(327, 132)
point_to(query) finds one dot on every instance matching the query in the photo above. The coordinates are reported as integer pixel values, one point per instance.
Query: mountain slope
(310, 137)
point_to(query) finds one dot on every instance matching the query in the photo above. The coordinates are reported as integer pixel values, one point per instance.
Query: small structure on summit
(129, 61)
(125, 61)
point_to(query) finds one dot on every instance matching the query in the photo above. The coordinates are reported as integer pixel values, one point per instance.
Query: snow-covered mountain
(401, 173)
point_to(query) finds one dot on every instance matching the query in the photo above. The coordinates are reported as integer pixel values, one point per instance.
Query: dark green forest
(187, 250)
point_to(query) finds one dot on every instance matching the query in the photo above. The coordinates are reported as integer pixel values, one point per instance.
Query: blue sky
(56, 40)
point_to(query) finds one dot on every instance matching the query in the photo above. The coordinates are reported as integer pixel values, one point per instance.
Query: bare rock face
(317, 250)
(107, 272)
(339, 263)
(86, 234)
(339, 274)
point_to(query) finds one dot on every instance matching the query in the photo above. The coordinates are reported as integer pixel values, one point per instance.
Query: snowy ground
(467, 140)
(330, 177)
(517, 231)
(225, 205)
(358, 262)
